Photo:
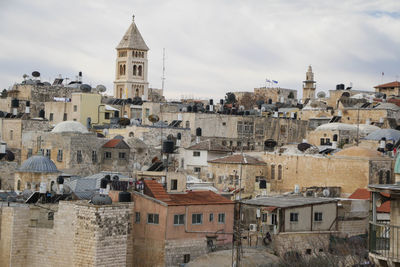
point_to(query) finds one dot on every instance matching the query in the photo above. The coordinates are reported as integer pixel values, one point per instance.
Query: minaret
(309, 85)
(131, 65)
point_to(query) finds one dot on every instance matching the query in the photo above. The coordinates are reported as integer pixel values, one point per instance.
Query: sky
(212, 47)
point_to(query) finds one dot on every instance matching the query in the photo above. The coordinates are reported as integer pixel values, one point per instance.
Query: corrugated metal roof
(238, 159)
(287, 201)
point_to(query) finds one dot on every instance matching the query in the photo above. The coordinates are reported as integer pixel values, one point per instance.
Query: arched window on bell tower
(140, 71)
(134, 70)
(120, 70)
(137, 92)
(124, 69)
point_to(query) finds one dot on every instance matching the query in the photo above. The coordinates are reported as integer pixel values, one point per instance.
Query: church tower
(131, 65)
(309, 85)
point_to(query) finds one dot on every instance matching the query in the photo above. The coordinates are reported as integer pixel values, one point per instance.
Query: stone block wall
(353, 227)
(176, 249)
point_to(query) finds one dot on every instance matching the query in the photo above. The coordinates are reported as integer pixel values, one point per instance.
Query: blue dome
(39, 164)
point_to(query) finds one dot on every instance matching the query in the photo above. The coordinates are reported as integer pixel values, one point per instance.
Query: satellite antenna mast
(163, 71)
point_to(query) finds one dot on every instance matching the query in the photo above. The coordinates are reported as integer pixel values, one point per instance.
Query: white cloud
(212, 46)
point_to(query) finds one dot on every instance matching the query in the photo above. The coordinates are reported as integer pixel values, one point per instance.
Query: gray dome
(39, 164)
(70, 127)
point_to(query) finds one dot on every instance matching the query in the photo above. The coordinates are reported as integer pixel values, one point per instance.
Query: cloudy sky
(211, 46)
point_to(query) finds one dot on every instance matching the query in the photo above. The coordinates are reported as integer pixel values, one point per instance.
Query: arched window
(120, 93)
(124, 69)
(19, 185)
(131, 134)
(279, 172)
(137, 92)
(388, 177)
(134, 70)
(381, 181)
(140, 70)
(136, 54)
(120, 70)
(272, 172)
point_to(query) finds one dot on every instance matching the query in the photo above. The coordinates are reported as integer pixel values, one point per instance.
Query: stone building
(131, 69)
(71, 147)
(66, 234)
(226, 171)
(389, 89)
(172, 229)
(116, 156)
(296, 223)
(194, 158)
(236, 131)
(276, 94)
(35, 172)
(348, 169)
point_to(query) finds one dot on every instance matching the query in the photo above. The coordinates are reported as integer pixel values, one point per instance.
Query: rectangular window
(211, 218)
(107, 155)
(294, 217)
(51, 118)
(317, 216)
(60, 155)
(274, 219)
(41, 151)
(264, 217)
(48, 153)
(107, 116)
(186, 258)
(94, 156)
(221, 218)
(262, 184)
(121, 155)
(137, 217)
(75, 108)
(272, 172)
(174, 184)
(197, 218)
(30, 151)
(152, 218)
(65, 117)
(79, 156)
(197, 169)
(322, 141)
(179, 219)
(196, 153)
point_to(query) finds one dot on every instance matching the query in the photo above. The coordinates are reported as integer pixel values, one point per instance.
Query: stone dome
(38, 164)
(358, 152)
(70, 127)
(336, 126)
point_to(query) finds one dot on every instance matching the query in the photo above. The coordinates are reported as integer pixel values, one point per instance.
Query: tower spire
(133, 17)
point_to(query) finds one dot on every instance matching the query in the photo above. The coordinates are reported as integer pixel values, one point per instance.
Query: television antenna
(163, 71)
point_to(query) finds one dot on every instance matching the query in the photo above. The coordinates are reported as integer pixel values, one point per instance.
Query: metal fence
(384, 240)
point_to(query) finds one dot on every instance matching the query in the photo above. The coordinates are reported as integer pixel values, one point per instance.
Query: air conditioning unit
(210, 175)
(252, 227)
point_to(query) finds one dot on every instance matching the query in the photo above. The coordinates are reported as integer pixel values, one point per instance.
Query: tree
(230, 98)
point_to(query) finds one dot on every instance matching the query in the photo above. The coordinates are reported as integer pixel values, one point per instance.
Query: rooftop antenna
(163, 71)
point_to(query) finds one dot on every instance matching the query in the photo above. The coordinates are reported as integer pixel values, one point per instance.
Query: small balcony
(384, 242)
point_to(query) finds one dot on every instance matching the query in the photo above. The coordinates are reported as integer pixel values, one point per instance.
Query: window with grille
(59, 155)
(94, 156)
(79, 156)
(197, 218)
(107, 155)
(318, 216)
(221, 218)
(152, 218)
(179, 219)
(174, 184)
(294, 217)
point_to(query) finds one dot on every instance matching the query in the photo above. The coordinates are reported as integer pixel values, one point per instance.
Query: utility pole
(163, 72)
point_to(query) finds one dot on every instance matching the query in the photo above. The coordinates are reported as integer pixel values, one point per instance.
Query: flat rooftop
(287, 201)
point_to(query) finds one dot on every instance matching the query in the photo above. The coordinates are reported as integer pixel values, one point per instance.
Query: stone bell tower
(131, 65)
(309, 85)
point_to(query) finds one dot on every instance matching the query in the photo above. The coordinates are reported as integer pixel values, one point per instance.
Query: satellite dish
(36, 74)
(321, 94)
(101, 88)
(85, 88)
(153, 118)
(326, 192)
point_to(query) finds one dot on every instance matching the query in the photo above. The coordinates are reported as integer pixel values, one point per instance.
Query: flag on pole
(274, 81)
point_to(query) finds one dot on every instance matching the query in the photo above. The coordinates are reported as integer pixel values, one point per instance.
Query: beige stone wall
(349, 173)
(57, 109)
(301, 241)
(249, 174)
(82, 235)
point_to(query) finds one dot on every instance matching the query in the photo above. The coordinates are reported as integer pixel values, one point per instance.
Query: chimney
(211, 105)
(382, 144)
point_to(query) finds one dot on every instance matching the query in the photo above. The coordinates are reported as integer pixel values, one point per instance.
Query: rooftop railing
(384, 240)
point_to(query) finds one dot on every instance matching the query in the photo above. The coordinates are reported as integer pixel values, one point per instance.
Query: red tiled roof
(197, 198)
(237, 159)
(156, 190)
(112, 143)
(363, 193)
(391, 84)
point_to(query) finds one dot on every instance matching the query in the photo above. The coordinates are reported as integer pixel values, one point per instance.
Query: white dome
(336, 126)
(69, 127)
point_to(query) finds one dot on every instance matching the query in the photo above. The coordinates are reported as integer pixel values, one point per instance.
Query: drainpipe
(204, 232)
